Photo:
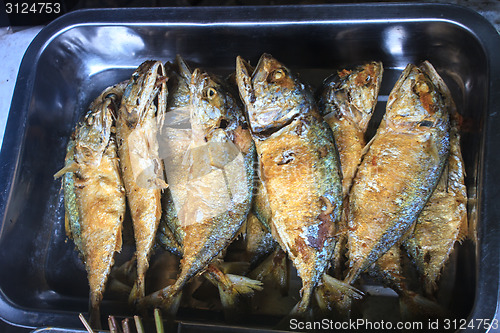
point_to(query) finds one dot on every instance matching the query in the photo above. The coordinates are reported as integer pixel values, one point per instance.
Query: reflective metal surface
(42, 280)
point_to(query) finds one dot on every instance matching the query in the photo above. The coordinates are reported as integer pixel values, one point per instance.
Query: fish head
(273, 96)
(179, 80)
(215, 113)
(418, 101)
(144, 85)
(93, 132)
(352, 93)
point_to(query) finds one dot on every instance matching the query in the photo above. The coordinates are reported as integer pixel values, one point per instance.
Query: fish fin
(237, 286)
(416, 307)
(243, 78)
(335, 295)
(95, 312)
(71, 167)
(463, 231)
(231, 286)
(430, 286)
(67, 227)
(119, 239)
(160, 184)
(166, 299)
(136, 293)
(276, 269)
(183, 69)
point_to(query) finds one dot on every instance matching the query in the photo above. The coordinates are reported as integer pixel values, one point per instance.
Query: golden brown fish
(299, 167)
(219, 181)
(400, 169)
(443, 221)
(93, 193)
(139, 119)
(347, 100)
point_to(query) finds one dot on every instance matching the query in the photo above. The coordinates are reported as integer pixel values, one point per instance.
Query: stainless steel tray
(43, 282)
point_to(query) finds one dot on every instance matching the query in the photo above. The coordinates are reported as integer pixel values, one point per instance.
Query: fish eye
(211, 93)
(90, 120)
(278, 74)
(111, 96)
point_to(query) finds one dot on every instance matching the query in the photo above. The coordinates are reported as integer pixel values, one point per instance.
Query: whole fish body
(400, 168)
(137, 126)
(218, 185)
(299, 167)
(443, 221)
(93, 193)
(346, 101)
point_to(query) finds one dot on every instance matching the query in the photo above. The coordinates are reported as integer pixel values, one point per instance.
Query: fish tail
(302, 308)
(275, 268)
(231, 286)
(335, 295)
(138, 291)
(168, 299)
(95, 311)
(430, 286)
(416, 307)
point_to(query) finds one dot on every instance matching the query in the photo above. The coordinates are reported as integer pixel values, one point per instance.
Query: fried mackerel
(443, 221)
(94, 197)
(400, 169)
(177, 139)
(140, 116)
(218, 193)
(346, 101)
(299, 168)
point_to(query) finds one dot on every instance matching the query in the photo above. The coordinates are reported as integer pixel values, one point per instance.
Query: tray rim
(474, 23)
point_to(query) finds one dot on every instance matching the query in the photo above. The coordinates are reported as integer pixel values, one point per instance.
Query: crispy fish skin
(94, 194)
(400, 169)
(219, 140)
(347, 100)
(299, 167)
(443, 220)
(137, 126)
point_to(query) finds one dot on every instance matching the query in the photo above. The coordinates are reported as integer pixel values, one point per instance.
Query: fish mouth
(267, 119)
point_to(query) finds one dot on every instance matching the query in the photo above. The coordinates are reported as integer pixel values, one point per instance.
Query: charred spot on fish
(252, 97)
(299, 129)
(223, 123)
(323, 151)
(138, 101)
(427, 257)
(425, 123)
(287, 157)
(345, 72)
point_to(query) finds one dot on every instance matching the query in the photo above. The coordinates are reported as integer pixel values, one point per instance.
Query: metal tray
(43, 282)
